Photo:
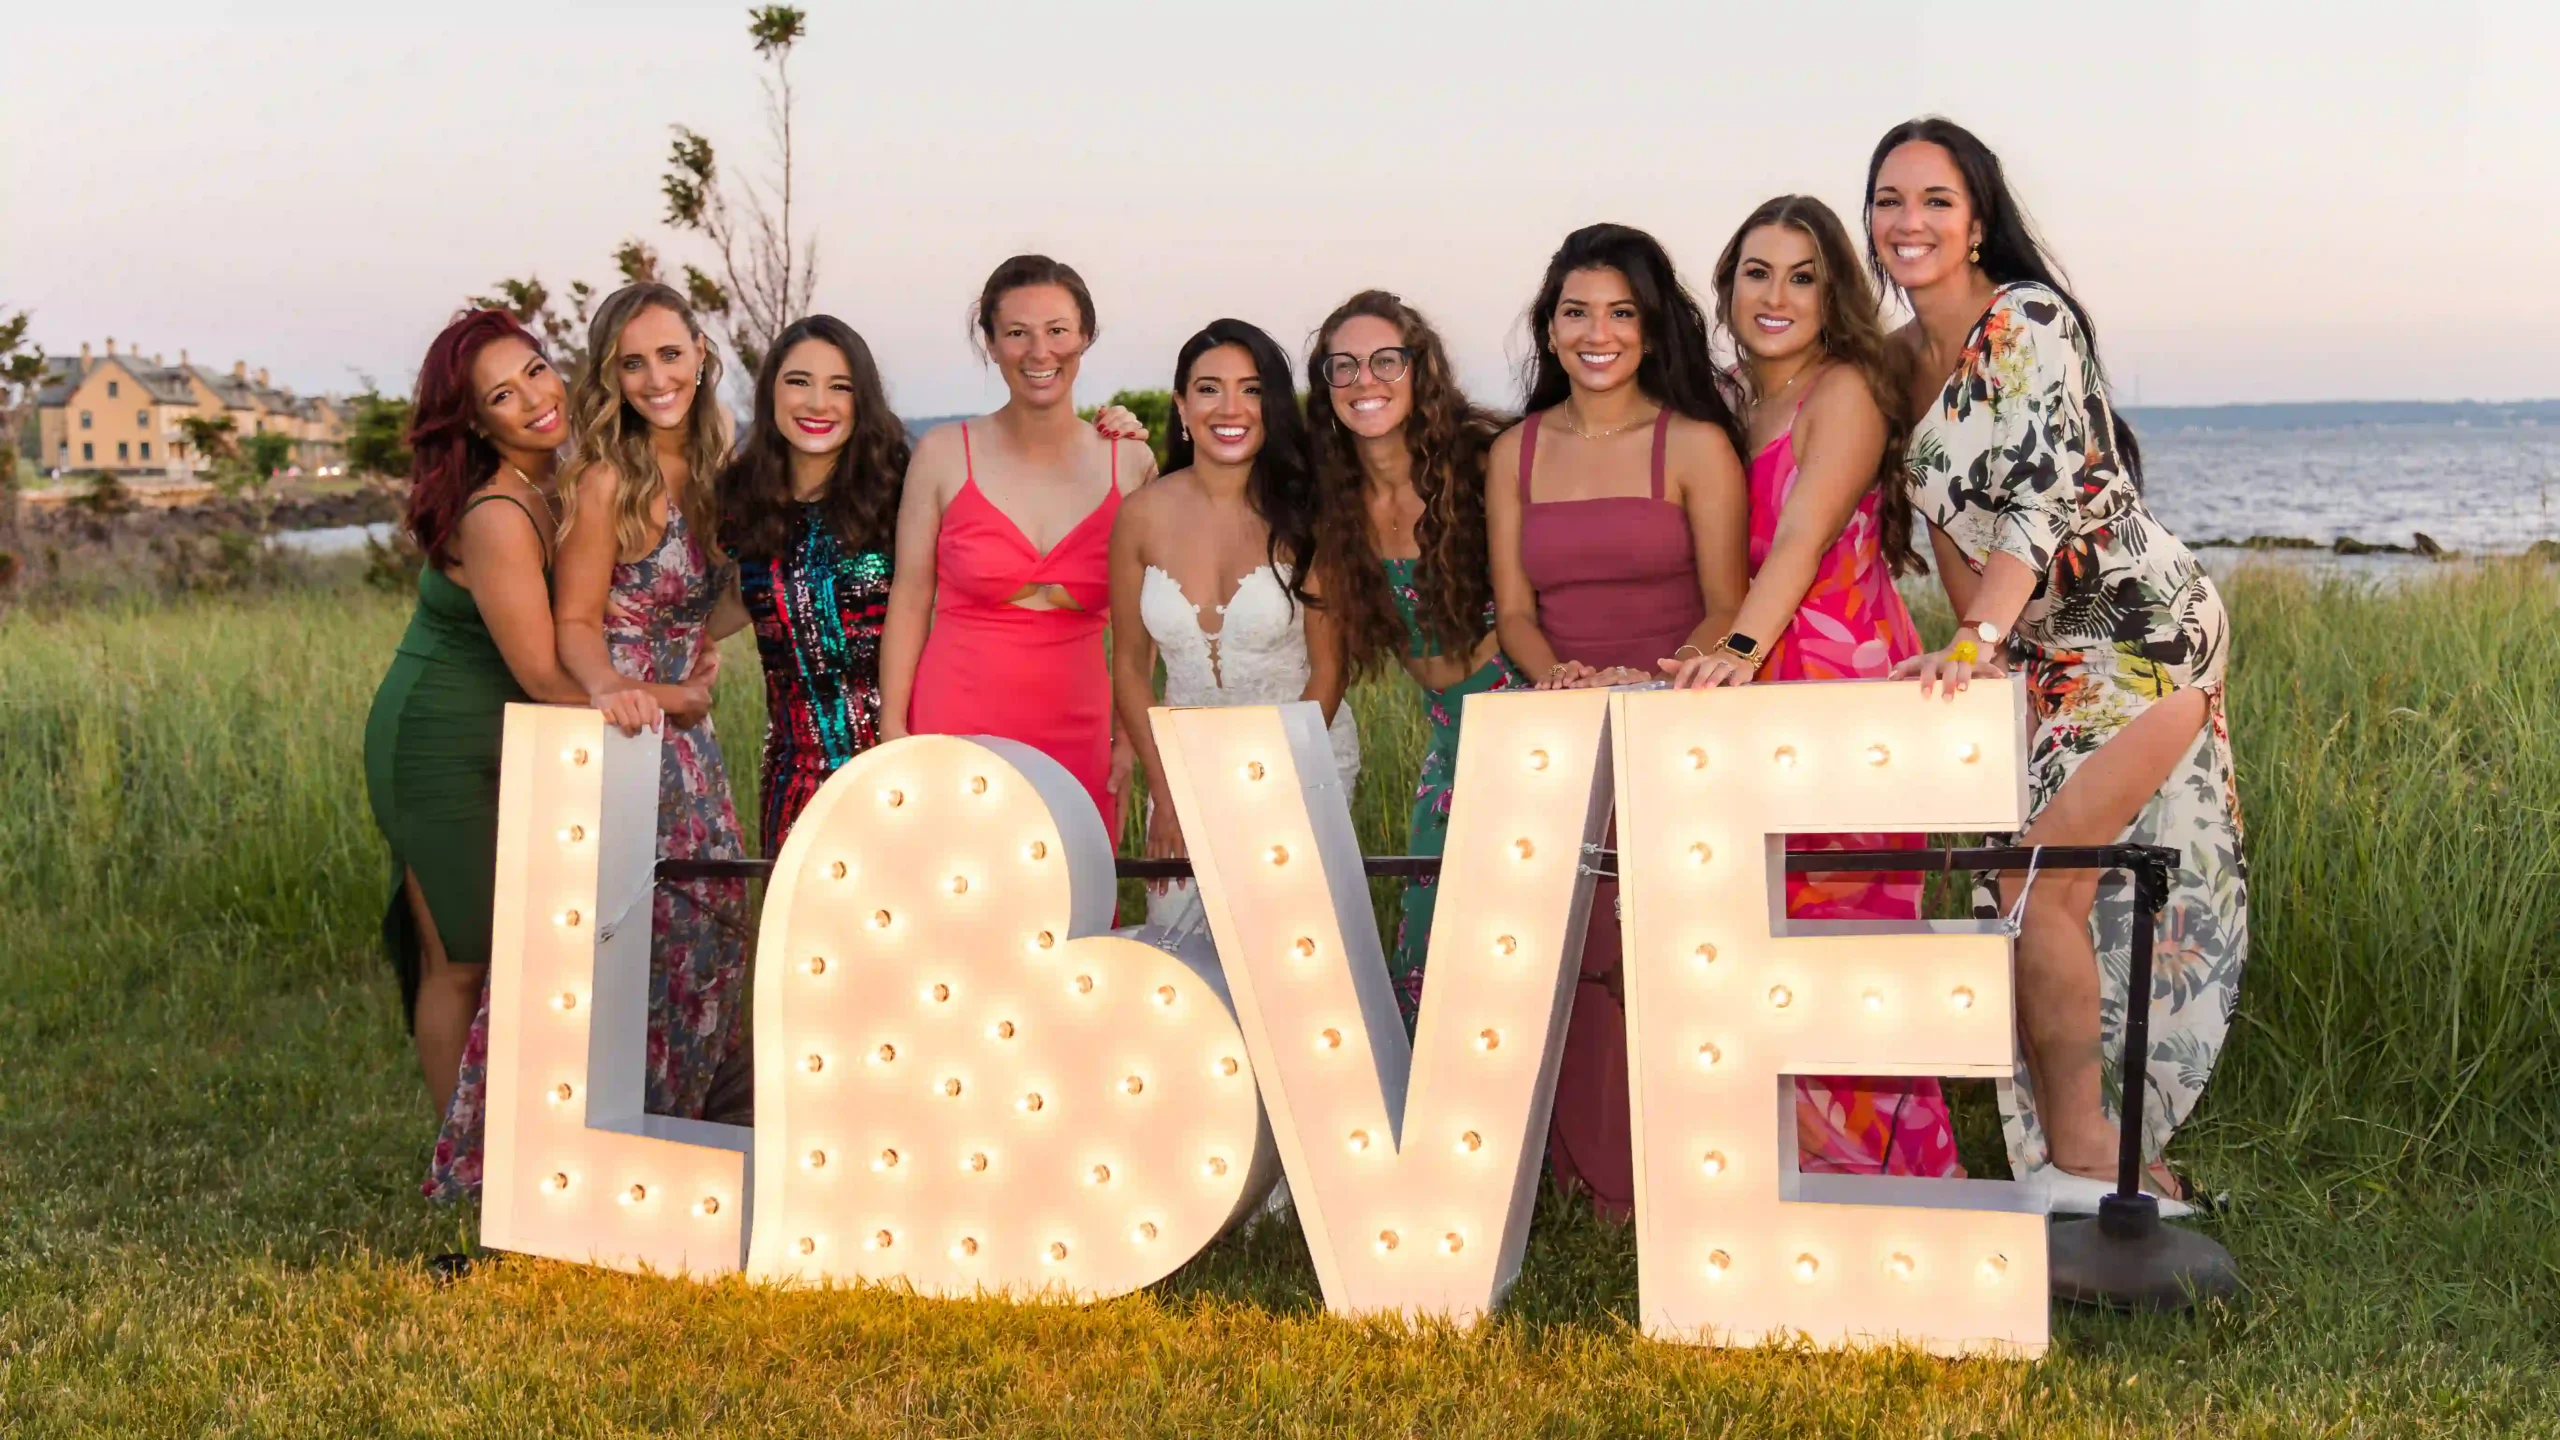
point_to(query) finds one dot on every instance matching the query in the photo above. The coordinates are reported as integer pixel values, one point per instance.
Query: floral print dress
(2017, 457)
(1428, 828)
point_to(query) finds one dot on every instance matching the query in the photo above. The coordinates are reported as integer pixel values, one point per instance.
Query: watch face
(1986, 631)
(1742, 645)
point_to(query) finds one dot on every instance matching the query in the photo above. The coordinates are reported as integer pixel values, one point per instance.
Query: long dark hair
(1282, 486)
(861, 501)
(1851, 334)
(448, 458)
(2012, 252)
(1678, 369)
(1447, 437)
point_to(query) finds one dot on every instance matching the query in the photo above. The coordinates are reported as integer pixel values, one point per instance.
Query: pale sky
(2257, 202)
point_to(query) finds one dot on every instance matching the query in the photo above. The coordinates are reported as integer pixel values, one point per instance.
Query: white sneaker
(2057, 1191)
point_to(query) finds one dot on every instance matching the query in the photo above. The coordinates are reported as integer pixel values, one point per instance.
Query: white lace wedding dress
(1256, 656)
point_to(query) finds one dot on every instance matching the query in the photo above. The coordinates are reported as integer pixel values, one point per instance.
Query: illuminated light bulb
(1253, 770)
(885, 1160)
(1057, 1251)
(571, 919)
(1452, 1243)
(1712, 1162)
(893, 798)
(977, 784)
(1488, 1039)
(940, 992)
(836, 871)
(1537, 759)
(573, 835)
(884, 1054)
(951, 1087)
(1718, 1262)
(882, 1239)
(967, 1247)
(1031, 1103)
(1968, 754)
(815, 1160)
(708, 1205)
(1099, 1175)
(577, 756)
(808, 1245)
(814, 1064)
(1701, 853)
(1082, 984)
(1874, 1000)
(1164, 995)
(1328, 1040)
(1807, 1267)
(1043, 941)
(1780, 997)
(635, 1195)
(1359, 1141)
(1036, 850)
(880, 919)
(1708, 1054)
(1145, 1231)
(555, 1182)
(1786, 756)
(1227, 1065)
(1697, 759)
(1878, 755)
(976, 1163)
(1133, 1085)
(1470, 1143)
(1214, 1166)
(815, 964)
(1388, 1240)
(1900, 1265)
(565, 1000)
(958, 885)
(1522, 849)
(1305, 946)
(1961, 997)
(1706, 954)
(1993, 1267)
(1506, 944)
(561, 1092)
(1001, 1030)
(1277, 854)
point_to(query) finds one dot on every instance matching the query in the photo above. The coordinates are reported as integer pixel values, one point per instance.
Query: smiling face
(1039, 342)
(1369, 407)
(813, 398)
(657, 363)
(1222, 406)
(1777, 294)
(1597, 331)
(522, 405)
(1923, 223)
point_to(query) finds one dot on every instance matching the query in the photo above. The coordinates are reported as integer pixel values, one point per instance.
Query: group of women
(1649, 516)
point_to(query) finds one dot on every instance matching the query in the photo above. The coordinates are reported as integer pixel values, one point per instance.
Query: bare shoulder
(1137, 466)
(1841, 395)
(510, 526)
(1502, 455)
(1701, 442)
(940, 460)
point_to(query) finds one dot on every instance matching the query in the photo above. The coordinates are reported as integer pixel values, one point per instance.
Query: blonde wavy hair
(605, 431)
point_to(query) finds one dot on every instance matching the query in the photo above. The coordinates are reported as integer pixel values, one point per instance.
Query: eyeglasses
(1387, 366)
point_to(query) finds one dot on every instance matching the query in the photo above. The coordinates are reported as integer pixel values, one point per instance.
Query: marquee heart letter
(960, 1083)
(1414, 1166)
(1727, 999)
(571, 1167)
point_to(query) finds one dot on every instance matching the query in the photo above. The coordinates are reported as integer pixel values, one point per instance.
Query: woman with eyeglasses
(1399, 462)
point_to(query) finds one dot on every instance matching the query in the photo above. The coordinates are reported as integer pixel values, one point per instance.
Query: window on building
(88, 452)
(111, 389)
(141, 419)
(146, 449)
(84, 419)
(122, 450)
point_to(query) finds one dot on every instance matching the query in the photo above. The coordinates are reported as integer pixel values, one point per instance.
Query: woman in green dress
(490, 413)
(1401, 545)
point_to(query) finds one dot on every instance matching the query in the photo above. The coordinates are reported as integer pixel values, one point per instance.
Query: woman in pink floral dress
(1830, 526)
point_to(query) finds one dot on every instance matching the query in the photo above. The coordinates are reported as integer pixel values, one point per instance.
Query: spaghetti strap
(1528, 453)
(1115, 468)
(545, 537)
(1661, 444)
(968, 460)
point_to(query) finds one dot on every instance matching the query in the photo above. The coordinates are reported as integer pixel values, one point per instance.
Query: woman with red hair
(489, 417)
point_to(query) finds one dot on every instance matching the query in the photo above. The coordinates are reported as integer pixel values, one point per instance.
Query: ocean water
(2483, 489)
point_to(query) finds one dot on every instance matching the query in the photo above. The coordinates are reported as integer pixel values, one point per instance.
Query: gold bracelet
(1688, 650)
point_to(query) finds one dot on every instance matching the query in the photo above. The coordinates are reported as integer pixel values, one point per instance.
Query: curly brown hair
(1447, 436)
(1851, 333)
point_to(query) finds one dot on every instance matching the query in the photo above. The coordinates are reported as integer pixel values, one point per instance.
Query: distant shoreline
(2348, 414)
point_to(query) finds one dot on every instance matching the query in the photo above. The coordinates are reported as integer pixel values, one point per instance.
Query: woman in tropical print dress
(2031, 487)
(642, 595)
(1830, 528)
(809, 512)
(1400, 479)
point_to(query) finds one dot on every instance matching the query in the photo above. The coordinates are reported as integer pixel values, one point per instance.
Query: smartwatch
(1742, 645)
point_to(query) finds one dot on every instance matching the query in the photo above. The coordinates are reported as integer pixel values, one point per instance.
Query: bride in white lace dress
(1207, 567)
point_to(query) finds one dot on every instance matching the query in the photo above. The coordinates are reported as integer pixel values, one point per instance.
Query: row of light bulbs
(1808, 1267)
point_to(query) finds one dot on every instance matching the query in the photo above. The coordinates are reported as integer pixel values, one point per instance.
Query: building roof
(63, 374)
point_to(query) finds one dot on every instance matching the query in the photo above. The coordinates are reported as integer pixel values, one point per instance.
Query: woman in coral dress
(1830, 526)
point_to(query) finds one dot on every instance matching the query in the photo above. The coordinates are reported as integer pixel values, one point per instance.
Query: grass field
(211, 1129)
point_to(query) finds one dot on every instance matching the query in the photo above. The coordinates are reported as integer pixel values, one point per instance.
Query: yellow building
(119, 413)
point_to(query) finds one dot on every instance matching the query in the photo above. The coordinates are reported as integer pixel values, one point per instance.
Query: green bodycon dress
(431, 752)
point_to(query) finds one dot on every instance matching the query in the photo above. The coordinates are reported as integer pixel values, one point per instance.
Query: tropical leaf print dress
(2014, 458)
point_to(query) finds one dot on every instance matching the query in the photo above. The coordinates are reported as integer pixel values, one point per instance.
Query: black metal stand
(2127, 1258)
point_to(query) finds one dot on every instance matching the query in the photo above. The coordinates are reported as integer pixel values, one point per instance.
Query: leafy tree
(767, 276)
(529, 300)
(214, 439)
(21, 370)
(263, 456)
(377, 433)
(1154, 409)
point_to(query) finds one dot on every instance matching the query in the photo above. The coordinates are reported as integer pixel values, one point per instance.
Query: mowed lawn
(212, 1130)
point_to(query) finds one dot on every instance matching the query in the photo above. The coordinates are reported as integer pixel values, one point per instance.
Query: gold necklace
(549, 504)
(1573, 422)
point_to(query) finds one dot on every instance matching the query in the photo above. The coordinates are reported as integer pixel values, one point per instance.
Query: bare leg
(2057, 967)
(448, 1000)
